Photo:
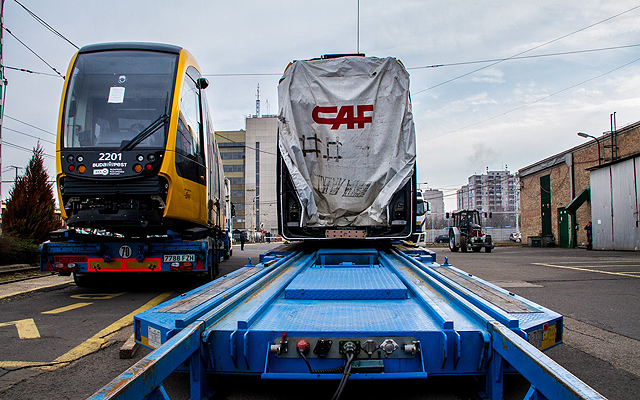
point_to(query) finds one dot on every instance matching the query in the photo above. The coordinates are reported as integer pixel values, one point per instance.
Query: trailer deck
(380, 313)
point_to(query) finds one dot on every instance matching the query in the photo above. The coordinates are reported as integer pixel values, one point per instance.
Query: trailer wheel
(487, 249)
(452, 241)
(476, 249)
(83, 280)
(463, 243)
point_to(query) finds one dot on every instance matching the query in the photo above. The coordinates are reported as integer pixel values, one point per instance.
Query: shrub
(14, 250)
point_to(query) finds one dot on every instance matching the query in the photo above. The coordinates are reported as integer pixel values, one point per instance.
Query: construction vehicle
(466, 232)
(139, 174)
(347, 300)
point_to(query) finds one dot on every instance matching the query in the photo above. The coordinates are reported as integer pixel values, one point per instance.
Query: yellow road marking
(66, 308)
(587, 270)
(27, 328)
(609, 263)
(95, 342)
(34, 289)
(97, 296)
(90, 345)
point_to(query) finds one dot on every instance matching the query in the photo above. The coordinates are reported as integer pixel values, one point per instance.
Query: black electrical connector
(349, 349)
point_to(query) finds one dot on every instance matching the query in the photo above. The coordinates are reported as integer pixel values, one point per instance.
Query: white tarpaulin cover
(347, 137)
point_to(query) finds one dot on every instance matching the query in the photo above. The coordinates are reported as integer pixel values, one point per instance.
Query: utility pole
(3, 86)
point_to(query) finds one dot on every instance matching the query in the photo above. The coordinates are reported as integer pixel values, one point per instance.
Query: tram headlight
(140, 158)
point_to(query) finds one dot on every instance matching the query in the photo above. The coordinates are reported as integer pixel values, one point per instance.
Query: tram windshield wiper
(146, 132)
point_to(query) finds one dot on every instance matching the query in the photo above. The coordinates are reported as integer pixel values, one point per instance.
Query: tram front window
(114, 95)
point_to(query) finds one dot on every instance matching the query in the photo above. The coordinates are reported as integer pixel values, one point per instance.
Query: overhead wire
(526, 51)
(562, 53)
(29, 71)
(530, 103)
(49, 27)
(26, 134)
(15, 146)
(36, 54)
(33, 126)
(249, 147)
(455, 64)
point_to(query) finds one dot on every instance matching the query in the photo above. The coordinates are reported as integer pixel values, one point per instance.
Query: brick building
(555, 192)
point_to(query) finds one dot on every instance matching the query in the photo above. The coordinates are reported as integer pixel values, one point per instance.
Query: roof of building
(561, 158)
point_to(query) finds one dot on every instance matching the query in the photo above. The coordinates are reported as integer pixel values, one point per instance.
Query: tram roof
(166, 48)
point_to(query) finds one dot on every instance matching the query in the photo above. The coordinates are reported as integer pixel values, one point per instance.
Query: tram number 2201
(110, 157)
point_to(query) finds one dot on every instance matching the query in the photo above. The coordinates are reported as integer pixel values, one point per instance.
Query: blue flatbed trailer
(89, 255)
(313, 313)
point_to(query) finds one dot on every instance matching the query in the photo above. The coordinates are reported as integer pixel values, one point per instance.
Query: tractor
(466, 232)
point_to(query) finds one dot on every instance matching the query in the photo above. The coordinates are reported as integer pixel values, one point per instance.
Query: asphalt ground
(60, 341)
(76, 351)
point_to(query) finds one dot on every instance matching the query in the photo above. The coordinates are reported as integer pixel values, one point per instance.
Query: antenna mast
(258, 102)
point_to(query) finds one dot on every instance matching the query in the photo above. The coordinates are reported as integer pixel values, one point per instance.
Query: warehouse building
(558, 194)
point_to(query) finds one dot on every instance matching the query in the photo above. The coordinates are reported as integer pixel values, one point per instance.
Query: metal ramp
(390, 313)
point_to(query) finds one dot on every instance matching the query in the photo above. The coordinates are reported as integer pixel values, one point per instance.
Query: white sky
(485, 119)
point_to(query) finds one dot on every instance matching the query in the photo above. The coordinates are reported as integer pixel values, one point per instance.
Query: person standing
(587, 228)
(242, 240)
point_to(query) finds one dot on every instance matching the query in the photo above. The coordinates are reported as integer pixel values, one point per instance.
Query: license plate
(179, 258)
(69, 259)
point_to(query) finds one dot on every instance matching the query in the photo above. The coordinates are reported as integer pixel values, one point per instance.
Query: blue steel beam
(144, 379)
(545, 375)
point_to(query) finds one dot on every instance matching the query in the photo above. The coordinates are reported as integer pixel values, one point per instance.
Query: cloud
(489, 76)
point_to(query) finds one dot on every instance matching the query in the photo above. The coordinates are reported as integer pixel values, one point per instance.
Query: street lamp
(255, 218)
(586, 135)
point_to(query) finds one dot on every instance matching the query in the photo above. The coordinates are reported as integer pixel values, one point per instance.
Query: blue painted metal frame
(470, 334)
(144, 379)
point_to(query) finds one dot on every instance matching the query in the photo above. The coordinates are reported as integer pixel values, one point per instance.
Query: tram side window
(190, 110)
(190, 162)
(184, 142)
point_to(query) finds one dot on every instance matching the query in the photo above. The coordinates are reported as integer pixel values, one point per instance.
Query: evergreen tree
(30, 208)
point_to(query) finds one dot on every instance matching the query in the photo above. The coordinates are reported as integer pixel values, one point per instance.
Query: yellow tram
(136, 152)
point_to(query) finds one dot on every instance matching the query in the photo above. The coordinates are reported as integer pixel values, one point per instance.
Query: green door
(563, 227)
(545, 204)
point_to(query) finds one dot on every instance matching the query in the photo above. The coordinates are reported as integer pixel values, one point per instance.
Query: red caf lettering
(344, 116)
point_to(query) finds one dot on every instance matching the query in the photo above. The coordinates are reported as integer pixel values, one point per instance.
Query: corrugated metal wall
(614, 206)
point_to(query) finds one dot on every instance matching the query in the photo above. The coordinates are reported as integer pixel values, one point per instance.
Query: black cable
(30, 71)
(26, 134)
(528, 104)
(456, 64)
(345, 376)
(46, 25)
(526, 51)
(525, 57)
(245, 145)
(15, 146)
(27, 124)
(305, 360)
(36, 54)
